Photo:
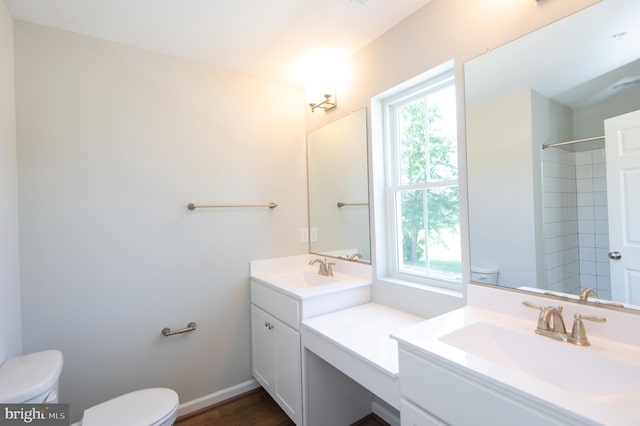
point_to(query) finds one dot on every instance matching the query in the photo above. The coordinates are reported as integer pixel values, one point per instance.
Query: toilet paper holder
(190, 327)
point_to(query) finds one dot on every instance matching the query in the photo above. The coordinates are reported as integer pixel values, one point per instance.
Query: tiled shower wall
(593, 225)
(560, 218)
(575, 221)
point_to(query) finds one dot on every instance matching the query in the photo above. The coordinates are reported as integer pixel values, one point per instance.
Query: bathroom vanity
(284, 292)
(326, 352)
(488, 358)
(434, 387)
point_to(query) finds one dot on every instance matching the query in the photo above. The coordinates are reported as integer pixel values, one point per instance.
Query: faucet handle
(541, 308)
(542, 323)
(596, 318)
(532, 305)
(579, 333)
(328, 268)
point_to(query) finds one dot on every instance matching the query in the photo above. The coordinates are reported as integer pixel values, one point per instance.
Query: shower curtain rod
(549, 145)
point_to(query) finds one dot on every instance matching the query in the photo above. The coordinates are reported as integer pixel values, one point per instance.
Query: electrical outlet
(313, 234)
(304, 235)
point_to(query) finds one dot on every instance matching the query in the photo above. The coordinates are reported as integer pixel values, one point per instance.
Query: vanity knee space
(354, 348)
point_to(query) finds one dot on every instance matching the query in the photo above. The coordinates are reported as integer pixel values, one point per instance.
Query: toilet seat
(145, 407)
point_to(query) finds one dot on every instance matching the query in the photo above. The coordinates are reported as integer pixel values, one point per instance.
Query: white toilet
(484, 274)
(33, 379)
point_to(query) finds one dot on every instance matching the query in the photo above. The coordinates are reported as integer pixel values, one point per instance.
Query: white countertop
(294, 276)
(364, 331)
(605, 407)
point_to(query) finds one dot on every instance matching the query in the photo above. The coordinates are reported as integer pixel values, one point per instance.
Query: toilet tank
(484, 274)
(31, 378)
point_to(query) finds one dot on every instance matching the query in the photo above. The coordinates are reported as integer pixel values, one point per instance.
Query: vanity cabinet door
(262, 348)
(275, 350)
(288, 376)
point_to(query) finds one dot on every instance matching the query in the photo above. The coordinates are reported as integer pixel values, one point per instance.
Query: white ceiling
(266, 38)
(570, 61)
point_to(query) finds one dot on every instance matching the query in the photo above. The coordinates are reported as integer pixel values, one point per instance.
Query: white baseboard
(386, 413)
(216, 397)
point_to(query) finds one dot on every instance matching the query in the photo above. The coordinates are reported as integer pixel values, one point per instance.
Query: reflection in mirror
(545, 216)
(338, 188)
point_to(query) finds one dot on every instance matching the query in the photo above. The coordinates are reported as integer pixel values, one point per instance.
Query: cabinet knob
(268, 325)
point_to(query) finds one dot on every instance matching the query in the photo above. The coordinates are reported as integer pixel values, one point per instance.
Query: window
(421, 178)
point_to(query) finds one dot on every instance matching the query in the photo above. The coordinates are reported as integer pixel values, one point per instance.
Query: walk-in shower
(575, 222)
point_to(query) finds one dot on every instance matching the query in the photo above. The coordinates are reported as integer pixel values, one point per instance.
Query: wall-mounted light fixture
(320, 90)
(328, 103)
(323, 74)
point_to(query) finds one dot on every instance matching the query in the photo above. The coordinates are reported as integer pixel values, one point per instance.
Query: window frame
(389, 104)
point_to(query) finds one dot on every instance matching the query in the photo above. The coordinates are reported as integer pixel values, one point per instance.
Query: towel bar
(190, 327)
(192, 206)
(341, 204)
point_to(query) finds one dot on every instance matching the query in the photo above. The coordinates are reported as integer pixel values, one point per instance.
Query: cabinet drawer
(410, 415)
(458, 400)
(283, 307)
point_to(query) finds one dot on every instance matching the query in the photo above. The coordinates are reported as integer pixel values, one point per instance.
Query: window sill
(431, 286)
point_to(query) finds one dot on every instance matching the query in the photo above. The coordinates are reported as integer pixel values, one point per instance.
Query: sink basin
(576, 369)
(308, 278)
(301, 279)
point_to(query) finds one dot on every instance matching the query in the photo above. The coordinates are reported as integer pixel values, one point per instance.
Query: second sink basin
(576, 369)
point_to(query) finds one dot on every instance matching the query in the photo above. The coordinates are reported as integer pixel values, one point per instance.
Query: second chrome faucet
(325, 267)
(551, 324)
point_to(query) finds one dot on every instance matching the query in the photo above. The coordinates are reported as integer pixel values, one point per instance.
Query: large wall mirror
(549, 216)
(339, 189)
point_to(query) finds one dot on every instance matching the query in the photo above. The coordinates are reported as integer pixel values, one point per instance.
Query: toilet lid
(140, 408)
(26, 376)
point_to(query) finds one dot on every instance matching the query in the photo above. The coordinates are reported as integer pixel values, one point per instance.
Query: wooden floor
(255, 408)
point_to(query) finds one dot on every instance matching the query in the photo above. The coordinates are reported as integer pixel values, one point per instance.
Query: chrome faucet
(550, 322)
(586, 293)
(355, 256)
(325, 267)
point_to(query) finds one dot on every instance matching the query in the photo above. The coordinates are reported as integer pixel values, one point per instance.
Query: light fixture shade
(323, 78)
(323, 73)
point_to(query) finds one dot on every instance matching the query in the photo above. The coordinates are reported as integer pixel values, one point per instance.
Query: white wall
(113, 143)
(589, 121)
(440, 31)
(503, 234)
(10, 324)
